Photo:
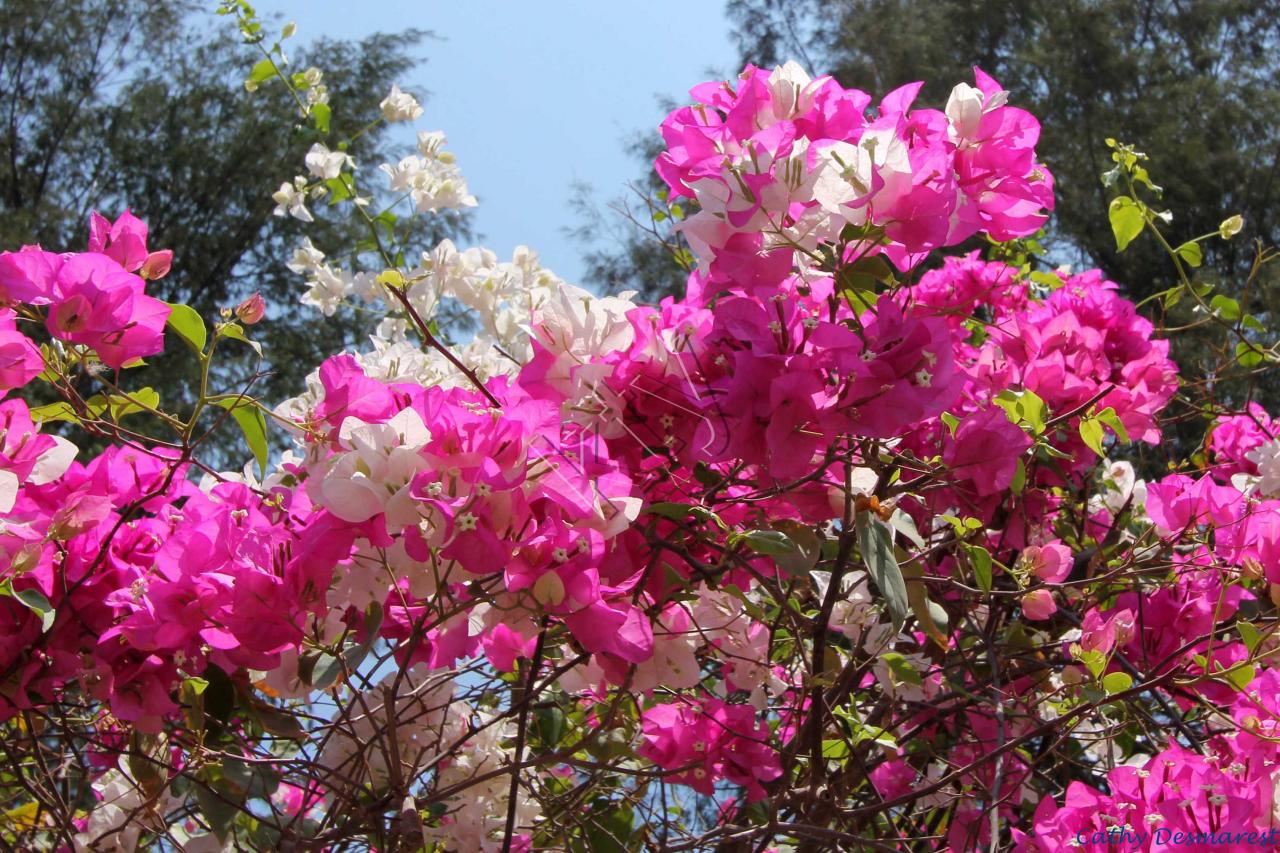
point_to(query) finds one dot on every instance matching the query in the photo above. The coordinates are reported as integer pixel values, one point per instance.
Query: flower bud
(157, 265)
(1038, 604)
(251, 310)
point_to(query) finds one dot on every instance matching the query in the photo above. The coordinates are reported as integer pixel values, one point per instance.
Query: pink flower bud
(1038, 605)
(251, 310)
(157, 265)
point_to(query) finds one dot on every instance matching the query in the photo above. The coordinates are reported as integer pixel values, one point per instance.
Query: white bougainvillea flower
(326, 164)
(400, 106)
(291, 200)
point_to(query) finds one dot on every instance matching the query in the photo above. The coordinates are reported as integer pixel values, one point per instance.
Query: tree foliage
(152, 112)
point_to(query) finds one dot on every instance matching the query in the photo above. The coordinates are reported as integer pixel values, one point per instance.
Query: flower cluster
(777, 159)
(93, 298)
(807, 534)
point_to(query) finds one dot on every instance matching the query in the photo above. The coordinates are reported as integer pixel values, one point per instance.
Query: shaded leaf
(875, 540)
(252, 424)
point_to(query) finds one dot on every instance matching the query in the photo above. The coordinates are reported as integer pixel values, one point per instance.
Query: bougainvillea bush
(843, 548)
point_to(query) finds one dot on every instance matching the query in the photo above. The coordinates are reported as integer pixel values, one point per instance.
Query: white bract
(326, 164)
(400, 106)
(1267, 458)
(291, 200)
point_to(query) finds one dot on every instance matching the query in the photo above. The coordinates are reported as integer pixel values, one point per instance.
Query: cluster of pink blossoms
(775, 158)
(605, 508)
(94, 298)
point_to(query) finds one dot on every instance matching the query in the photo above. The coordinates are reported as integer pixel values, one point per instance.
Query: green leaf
(1191, 253)
(1116, 682)
(1126, 220)
(1109, 417)
(119, 405)
(1248, 355)
(218, 806)
(775, 543)
(1251, 636)
(835, 749)
(1241, 676)
(863, 732)
(1094, 660)
(1225, 307)
(1019, 481)
(865, 274)
(980, 559)
(1024, 407)
(184, 320)
(220, 695)
(962, 526)
(252, 424)
(875, 540)
(320, 114)
(608, 828)
(1033, 410)
(902, 670)
(57, 411)
(808, 547)
(236, 333)
(263, 69)
(679, 512)
(191, 697)
(549, 725)
(277, 722)
(668, 509)
(35, 601)
(319, 670)
(1091, 434)
(339, 190)
(355, 655)
(237, 775)
(146, 771)
(951, 421)
(904, 524)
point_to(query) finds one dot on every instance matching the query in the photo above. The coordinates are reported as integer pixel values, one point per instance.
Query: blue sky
(536, 96)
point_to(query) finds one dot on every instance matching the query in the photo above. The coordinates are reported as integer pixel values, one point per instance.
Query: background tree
(632, 244)
(149, 110)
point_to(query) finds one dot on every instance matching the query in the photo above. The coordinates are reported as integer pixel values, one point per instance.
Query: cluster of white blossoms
(476, 816)
(431, 178)
(125, 810)
(373, 473)
(411, 724)
(396, 730)
(328, 286)
(511, 302)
